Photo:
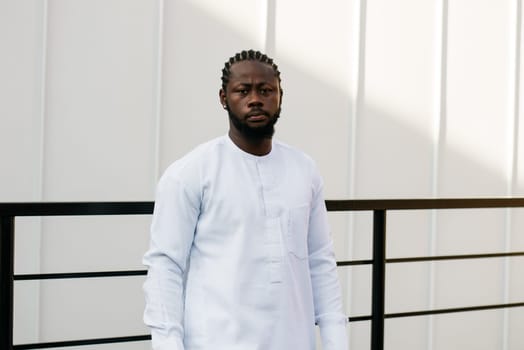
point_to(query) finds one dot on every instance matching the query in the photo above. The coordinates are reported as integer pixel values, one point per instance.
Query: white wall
(393, 98)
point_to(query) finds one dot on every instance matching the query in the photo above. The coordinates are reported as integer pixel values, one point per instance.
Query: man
(241, 256)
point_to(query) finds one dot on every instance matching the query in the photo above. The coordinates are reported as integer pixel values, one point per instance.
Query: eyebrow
(250, 84)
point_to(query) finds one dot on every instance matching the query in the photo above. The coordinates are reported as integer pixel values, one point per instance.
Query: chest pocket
(297, 233)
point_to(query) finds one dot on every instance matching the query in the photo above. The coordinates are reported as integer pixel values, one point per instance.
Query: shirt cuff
(171, 343)
(333, 334)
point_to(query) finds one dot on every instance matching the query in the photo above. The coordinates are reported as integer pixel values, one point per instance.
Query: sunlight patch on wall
(475, 140)
(402, 65)
(480, 83)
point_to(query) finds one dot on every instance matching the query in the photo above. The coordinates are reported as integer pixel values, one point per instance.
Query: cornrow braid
(247, 55)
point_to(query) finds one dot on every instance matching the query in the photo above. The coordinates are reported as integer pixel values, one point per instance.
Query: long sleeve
(172, 232)
(327, 296)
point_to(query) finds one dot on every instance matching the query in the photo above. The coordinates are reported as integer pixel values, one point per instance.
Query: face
(252, 98)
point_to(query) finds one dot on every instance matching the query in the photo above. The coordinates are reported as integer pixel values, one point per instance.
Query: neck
(257, 147)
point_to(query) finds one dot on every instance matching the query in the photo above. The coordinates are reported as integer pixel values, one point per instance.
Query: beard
(254, 133)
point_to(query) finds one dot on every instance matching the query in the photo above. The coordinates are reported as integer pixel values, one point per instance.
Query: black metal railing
(9, 211)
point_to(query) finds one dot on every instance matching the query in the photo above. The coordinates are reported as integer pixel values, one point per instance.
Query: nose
(255, 99)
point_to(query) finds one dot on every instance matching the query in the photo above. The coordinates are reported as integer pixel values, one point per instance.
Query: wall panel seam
(270, 40)
(42, 144)
(513, 145)
(438, 143)
(43, 104)
(356, 101)
(158, 93)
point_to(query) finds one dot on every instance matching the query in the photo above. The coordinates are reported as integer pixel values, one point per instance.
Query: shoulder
(293, 154)
(188, 168)
(299, 164)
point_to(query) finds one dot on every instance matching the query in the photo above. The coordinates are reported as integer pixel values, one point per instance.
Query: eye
(265, 91)
(242, 91)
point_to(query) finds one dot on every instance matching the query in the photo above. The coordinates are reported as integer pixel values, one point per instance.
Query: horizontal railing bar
(354, 262)
(359, 318)
(453, 257)
(68, 275)
(439, 311)
(76, 208)
(453, 310)
(146, 207)
(428, 203)
(26, 277)
(59, 344)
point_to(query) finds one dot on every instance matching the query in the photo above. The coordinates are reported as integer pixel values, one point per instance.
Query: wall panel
(99, 146)
(471, 330)
(396, 124)
(198, 39)
(395, 140)
(22, 53)
(318, 79)
(92, 308)
(479, 114)
(475, 161)
(99, 115)
(21, 26)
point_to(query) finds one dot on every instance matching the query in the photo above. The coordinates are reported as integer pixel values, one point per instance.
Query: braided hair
(248, 55)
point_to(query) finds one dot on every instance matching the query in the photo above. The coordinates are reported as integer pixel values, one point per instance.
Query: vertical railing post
(7, 246)
(378, 280)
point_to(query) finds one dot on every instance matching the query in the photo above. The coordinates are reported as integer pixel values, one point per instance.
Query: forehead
(252, 70)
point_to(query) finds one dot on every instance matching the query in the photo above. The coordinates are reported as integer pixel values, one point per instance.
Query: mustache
(257, 111)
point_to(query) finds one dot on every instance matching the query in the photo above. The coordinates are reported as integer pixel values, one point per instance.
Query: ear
(222, 95)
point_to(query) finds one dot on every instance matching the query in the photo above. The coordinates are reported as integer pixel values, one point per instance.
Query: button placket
(274, 248)
(273, 227)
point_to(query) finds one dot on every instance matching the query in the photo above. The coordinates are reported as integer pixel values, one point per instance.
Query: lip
(257, 116)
